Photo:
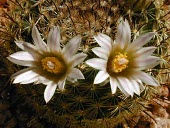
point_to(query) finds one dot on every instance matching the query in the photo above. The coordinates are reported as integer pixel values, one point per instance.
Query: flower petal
(97, 63)
(122, 89)
(128, 31)
(22, 55)
(104, 41)
(100, 77)
(148, 66)
(136, 87)
(113, 84)
(100, 52)
(141, 40)
(20, 44)
(76, 74)
(49, 91)
(31, 49)
(142, 88)
(38, 40)
(144, 61)
(22, 62)
(44, 80)
(53, 41)
(20, 72)
(145, 51)
(146, 78)
(122, 35)
(61, 84)
(32, 80)
(78, 58)
(72, 46)
(25, 76)
(126, 84)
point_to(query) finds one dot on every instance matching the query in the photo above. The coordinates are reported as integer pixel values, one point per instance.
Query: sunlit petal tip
(76, 74)
(151, 34)
(21, 62)
(76, 39)
(53, 40)
(123, 35)
(100, 52)
(147, 79)
(97, 63)
(49, 92)
(113, 84)
(101, 77)
(77, 59)
(61, 84)
(20, 44)
(22, 55)
(39, 43)
(25, 76)
(72, 46)
(104, 41)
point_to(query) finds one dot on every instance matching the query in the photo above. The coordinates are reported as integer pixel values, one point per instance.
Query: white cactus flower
(48, 63)
(122, 62)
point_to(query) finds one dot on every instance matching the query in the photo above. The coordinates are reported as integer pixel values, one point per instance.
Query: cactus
(82, 103)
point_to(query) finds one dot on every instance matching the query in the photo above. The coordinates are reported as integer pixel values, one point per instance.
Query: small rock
(161, 123)
(164, 91)
(160, 112)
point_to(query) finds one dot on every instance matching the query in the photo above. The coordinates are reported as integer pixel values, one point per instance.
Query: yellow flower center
(53, 65)
(119, 63)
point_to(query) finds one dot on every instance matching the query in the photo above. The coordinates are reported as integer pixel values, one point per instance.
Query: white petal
(26, 76)
(32, 80)
(104, 41)
(142, 88)
(49, 91)
(20, 44)
(97, 63)
(142, 40)
(61, 84)
(78, 58)
(21, 55)
(146, 78)
(71, 79)
(122, 35)
(31, 49)
(72, 46)
(122, 89)
(44, 80)
(113, 84)
(38, 40)
(76, 74)
(146, 60)
(53, 41)
(145, 51)
(128, 31)
(100, 77)
(125, 83)
(20, 72)
(136, 87)
(100, 52)
(148, 66)
(22, 62)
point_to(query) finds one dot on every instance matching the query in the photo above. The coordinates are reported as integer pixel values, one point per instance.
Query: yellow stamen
(53, 65)
(119, 63)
